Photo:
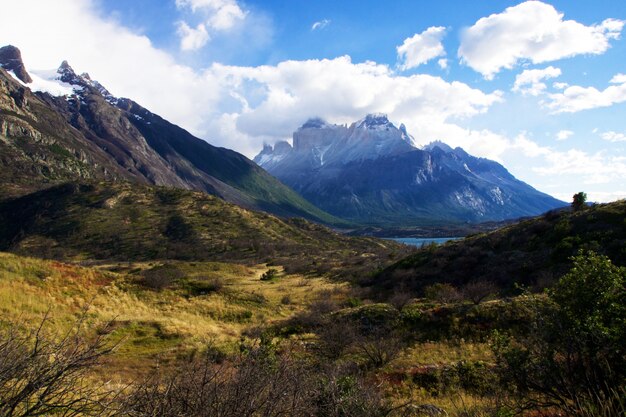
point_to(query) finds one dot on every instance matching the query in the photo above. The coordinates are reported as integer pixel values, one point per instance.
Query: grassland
(238, 284)
(159, 326)
(154, 325)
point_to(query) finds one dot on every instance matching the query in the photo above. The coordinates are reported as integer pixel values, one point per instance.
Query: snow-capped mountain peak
(375, 121)
(321, 143)
(371, 172)
(67, 75)
(437, 144)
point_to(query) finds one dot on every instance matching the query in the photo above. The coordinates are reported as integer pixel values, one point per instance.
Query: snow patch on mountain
(63, 82)
(47, 82)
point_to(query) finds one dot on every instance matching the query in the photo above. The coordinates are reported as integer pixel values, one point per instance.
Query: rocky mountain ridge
(371, 173)
(83, 132)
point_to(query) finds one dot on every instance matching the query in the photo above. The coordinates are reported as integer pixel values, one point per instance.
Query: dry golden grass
(443, 353)
(149, 323)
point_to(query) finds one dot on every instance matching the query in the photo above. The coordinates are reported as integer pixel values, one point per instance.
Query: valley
(145, 272)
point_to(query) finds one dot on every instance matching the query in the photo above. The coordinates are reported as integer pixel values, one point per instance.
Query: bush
(261, 382)
(199, 286)
(269, 275)
(478, 291)
(575, 352)
(162, 276)
(45, 375)
(177, 229)
(443, 293)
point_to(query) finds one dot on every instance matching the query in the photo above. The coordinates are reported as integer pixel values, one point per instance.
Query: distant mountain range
(73, 129)
(59, 126)
(371, 173)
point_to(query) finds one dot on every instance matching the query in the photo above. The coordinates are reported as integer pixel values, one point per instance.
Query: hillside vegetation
(534, 252)
(91, 135)
(127, 222)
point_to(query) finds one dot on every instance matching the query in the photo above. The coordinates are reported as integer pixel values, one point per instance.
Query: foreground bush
(45, 375)
(574, 359)
(260, 382)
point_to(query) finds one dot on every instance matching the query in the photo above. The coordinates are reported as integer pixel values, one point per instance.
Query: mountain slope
(130, 222)
(84, 132)
(371, 173)
(533, 252)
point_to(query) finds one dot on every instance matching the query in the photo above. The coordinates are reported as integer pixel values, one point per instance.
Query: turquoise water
(419, 242)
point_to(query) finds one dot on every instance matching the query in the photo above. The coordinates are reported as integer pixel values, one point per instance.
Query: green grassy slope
(533, 252)
(123, 221)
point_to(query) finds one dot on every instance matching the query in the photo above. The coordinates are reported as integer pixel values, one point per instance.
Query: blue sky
(538, 86)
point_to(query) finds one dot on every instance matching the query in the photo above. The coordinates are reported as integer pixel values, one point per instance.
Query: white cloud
(342, 91)
(560, 86)
(443, 63)
(613, 136)
(618, 79)
(216, 15)
(125, 62)
(576, 98)
(240, 107)
(219, 14)
(606, 196)
(529, 82)
(564, 134)
(569, 170)
(236, 107)
(320, 24)
(533, 31)
(421, 48)
(226, 17)
(190, 38)
(595, 168)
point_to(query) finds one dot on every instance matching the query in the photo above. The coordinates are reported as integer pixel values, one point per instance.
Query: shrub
(204, 286)
(45, 375)
(478, 291)
(269, 275)
(177, 229)
(575, 352)
(442, 292)
(162, 276)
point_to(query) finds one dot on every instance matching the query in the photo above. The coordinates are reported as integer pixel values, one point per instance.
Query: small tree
(579, 200)
(478, 291)
(442, 292)
(574, 354)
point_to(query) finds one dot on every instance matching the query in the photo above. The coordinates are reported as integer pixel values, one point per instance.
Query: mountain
(371, 173)
(61, 126)
(534, 252)
(132, 222)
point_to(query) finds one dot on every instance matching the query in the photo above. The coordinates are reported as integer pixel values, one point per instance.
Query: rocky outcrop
(11, 60)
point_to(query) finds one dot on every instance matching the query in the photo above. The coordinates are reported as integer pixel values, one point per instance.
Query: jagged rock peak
(315, 123)
(282, 147)
(374, 120)
(67, 74)
(438, 144)
(11, 60)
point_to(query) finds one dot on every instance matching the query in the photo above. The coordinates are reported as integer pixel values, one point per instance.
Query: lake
(422, 241)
